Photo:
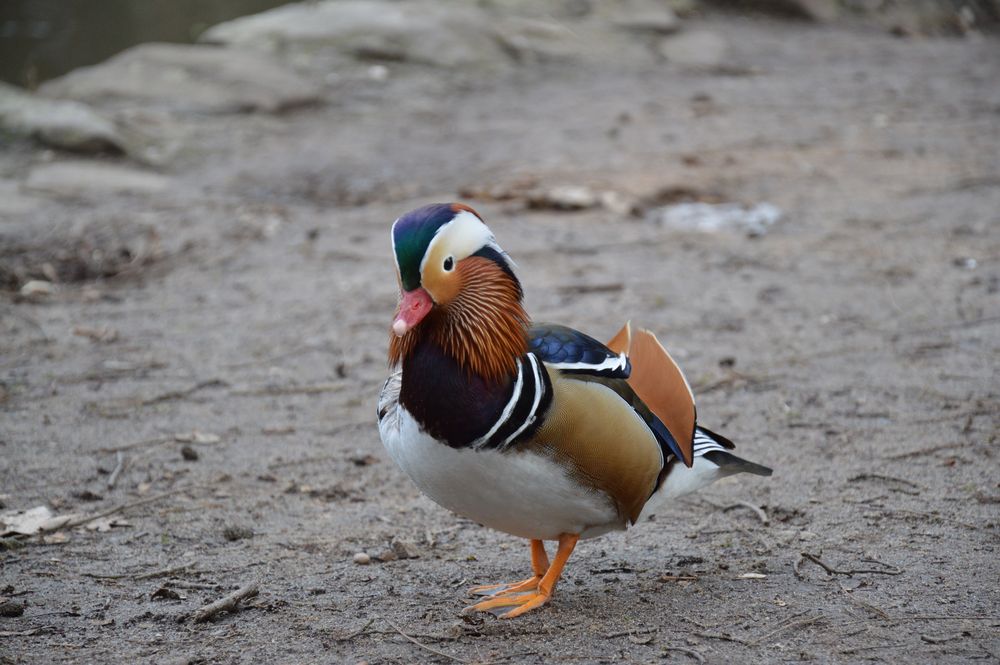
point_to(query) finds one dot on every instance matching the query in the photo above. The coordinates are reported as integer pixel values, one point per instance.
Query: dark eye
(449, 263)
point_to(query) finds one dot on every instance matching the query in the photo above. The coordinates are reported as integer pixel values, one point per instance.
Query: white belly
(522, 493)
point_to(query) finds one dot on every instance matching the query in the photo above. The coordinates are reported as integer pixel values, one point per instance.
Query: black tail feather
(731, 464)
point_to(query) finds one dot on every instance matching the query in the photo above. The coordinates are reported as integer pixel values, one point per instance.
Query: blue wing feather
(573, 352)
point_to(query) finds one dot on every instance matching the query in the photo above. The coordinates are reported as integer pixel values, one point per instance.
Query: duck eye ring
(449, 264)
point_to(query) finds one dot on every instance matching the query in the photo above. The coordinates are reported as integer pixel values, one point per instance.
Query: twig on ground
(625, 633)
(119, 467)
(166, 572)
(891, 479)
(142, 576)
(290, 390)
(424, 646)
(888, 570)
(181, 394)
(691, 652)
(117, 408)
(758, 511)
(352, 635)
(787, 625)
(869, 647)
(677, 578)
(181, 584)
(226, 603)
(882, 614)
(26, 633)
(137, 444)
(122, 508)
(720, 636)
(900, 513)
(611, 287)
(928, 451)
(940, 639)
(730, 381)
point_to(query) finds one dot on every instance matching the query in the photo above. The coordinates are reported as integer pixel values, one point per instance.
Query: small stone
(237, 532)
(363, 459)
(57, 538)
(362, 559)
(11, 608)
(386, 556)
(405, 549)
(189, 453)
(38, 288)
(163, 593)
(205, 437)
(564, 197)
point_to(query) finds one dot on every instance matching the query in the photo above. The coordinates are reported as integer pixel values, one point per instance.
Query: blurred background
(800, 197)
(41, 39)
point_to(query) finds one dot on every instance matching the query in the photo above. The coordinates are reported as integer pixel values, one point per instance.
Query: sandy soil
(853, 348)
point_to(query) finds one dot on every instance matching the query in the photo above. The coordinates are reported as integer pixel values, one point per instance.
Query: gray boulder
(187, 78)
(697, 49)
(73, 179)
(420, 31)
(67, 125)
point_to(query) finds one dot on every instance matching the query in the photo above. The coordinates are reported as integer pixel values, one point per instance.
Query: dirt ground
(232, 376)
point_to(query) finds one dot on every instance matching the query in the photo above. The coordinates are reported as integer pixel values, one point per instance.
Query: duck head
(457, 290)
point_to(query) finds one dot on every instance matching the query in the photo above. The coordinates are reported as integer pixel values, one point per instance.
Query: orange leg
(525, 602)
(539, 564)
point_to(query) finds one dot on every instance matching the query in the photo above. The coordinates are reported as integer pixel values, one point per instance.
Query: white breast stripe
(539, 389)
(616, 362)
(507, 410)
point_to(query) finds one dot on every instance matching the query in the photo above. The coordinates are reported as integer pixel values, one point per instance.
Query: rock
(699, 49)
(79, 178)
(753, 220)
(191, 455)
(419, 31)
(361, 558)
(67, 125)
(811, 10)
(653, 18)
(386, 556)
(564, 197)
(188, 78)
(529, 40)
(37, 289)
(405, 549)
(237, 532)
(11, 609)
(165, 593)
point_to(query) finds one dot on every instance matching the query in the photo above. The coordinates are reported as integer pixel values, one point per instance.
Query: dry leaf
(57, 538)
(24, 523)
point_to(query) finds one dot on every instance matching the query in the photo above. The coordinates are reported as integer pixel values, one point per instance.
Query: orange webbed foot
(529, 584)
(538, 588)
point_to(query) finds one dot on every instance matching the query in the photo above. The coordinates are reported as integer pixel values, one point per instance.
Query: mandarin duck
(537, 430)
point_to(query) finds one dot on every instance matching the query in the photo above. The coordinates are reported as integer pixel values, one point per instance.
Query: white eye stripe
(464, 235)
